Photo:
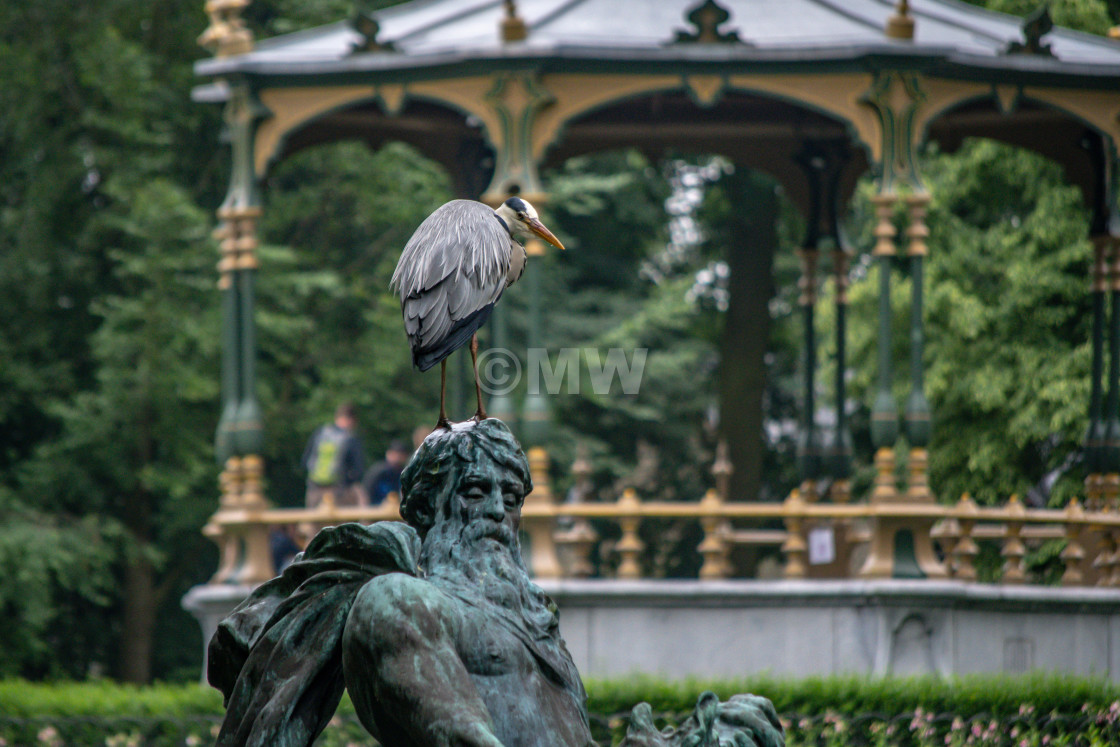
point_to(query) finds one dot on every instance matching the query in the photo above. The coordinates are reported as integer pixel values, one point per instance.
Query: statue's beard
(483, 558)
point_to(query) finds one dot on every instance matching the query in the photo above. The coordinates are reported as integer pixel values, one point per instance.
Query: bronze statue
(434, 628)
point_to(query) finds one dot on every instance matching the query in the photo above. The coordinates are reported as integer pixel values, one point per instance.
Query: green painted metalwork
(809, 446)
(1096, 434)
(706, 19)
(501, 405)
(249, 436)
(809, 441)
(536, 422)
(884, 413)
(231, 378)
(240, 430)
(895, 96)
(838, 449)
(1104, 229)
(905, 559)
(1111, 451)
(515, 169)
(917, 406)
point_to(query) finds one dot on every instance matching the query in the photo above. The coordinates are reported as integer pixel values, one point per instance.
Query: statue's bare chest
(489, 649)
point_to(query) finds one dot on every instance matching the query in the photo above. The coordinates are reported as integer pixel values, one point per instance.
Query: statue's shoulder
(393, 609)
(384, 547)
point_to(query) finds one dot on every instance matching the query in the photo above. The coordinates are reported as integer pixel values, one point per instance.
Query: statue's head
(463, 491)
(461, 467)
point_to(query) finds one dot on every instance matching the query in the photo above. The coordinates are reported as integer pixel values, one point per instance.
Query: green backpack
(326, 463)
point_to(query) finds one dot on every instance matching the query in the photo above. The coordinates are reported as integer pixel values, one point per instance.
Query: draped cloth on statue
(277, 658)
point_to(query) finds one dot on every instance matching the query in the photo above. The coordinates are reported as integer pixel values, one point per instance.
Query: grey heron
(452, 272)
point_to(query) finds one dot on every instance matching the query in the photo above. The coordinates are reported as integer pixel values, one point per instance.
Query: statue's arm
(403, 671)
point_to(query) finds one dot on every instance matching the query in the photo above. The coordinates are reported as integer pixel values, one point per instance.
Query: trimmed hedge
(978, 711)
(999, 695)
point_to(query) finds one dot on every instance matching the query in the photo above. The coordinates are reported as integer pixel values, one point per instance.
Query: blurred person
(385, 476)
(335, 463)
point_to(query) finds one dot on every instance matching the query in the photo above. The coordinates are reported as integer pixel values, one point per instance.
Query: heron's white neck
(509, 217)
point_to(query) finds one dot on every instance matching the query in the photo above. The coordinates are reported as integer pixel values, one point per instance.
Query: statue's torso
(529, 709)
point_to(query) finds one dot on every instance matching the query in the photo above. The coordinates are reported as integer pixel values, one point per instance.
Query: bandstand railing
(561, 535)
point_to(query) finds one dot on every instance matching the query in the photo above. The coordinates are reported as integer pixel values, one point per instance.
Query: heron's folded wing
(453, 267)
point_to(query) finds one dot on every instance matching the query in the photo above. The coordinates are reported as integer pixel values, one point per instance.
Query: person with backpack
(335, 463)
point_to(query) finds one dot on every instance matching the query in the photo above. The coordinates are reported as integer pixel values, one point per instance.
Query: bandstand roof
(951, 38)
(767, 83)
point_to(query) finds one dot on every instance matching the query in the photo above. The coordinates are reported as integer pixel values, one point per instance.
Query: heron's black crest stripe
(516, 204)
(456, 338)
(502, 221)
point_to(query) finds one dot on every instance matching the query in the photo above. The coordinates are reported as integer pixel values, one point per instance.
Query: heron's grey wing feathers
(454, 265)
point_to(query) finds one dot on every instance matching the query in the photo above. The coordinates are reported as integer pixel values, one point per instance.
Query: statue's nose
(495, 507)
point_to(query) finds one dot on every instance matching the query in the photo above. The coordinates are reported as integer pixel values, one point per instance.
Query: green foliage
(996, 695)
(328, 325)
(822, 711)
(1091, 16)
(54, 568)
(1005, 294)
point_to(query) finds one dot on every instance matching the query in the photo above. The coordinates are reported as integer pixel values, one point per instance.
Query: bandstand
(814, 93)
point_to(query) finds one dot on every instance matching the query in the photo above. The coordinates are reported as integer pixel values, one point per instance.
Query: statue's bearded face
(487, 501)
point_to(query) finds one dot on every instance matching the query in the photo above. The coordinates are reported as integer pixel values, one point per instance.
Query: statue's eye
(511, 500)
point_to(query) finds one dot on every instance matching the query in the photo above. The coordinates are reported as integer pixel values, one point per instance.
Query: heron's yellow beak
(538, 228)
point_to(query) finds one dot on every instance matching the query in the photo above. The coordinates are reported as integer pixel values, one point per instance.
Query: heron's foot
(479, 415)
(444, 423)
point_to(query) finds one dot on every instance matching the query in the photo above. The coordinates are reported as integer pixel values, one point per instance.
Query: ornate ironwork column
(1102, 440)
(1110, 462)
(900, 547)
(884, 412)
(836, 448)
(1097, 432)
(240, 435)
(917, 407)
(809, 442)
(838, 451)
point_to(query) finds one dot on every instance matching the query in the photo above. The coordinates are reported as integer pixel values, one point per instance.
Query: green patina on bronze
(434, 628)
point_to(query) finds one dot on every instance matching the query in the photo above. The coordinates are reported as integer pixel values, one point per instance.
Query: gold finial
(513, 27)
(227, 34)
(1114, 33)
(900, 25)
(722, 470)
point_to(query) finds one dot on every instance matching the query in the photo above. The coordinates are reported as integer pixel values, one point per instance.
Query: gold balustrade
(560, 535)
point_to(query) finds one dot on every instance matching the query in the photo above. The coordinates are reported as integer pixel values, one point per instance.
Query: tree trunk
(139, 621)
(746, 328)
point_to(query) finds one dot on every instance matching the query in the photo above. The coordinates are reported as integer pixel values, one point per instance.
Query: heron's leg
(480, 413)
(442, 422)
